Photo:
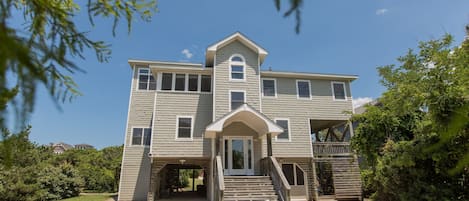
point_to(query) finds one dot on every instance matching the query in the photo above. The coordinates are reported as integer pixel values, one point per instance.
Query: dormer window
(237, 68)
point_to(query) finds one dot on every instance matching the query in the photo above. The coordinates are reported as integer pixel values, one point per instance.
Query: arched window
(237, 68)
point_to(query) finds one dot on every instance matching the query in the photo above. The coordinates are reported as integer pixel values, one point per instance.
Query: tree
(42, 52)
(415, 141)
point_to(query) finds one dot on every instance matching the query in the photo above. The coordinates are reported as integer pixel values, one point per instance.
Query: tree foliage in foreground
(40, 52)
(36, 173)
(415, 142)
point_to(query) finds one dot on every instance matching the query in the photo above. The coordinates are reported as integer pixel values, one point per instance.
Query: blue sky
(337, 36)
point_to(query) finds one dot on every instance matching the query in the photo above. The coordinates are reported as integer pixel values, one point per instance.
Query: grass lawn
(91, 197)
(197, 182)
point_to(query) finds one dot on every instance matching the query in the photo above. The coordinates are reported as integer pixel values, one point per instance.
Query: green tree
(41, 52)
(415, 141)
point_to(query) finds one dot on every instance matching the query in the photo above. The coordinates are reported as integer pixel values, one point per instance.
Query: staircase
(249, 188)
(347, 183)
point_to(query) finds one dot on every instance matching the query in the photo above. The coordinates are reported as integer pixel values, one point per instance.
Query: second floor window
(237, 68)
(180, 82)
(184, 127)
(166, 81)
(338, 91)
(303, 89)
(146, 81)
(237, 99)
(141, 136)
(269, 87)
(286, 130)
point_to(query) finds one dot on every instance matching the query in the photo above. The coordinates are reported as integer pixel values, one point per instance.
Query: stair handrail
(272, 168)
(219, 178)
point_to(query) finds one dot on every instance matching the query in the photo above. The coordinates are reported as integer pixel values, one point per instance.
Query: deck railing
(219, 179)
(270, 167)
(331, 149)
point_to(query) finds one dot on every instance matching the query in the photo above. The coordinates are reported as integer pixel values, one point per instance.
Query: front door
(238, 156)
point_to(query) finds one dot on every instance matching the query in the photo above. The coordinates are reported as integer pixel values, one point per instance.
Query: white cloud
(187, 53)
(381, 11)
(357, 102)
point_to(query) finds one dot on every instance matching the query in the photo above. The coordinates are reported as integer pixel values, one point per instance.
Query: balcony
(331, 149)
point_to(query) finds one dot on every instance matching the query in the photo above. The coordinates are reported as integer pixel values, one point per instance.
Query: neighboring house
(61, 147)
(249, 130)
(83, 146)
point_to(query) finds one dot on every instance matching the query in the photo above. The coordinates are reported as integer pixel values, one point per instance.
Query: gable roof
(238, 36)
(250, 117)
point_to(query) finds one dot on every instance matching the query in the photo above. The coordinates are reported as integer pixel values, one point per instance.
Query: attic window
(237, 68)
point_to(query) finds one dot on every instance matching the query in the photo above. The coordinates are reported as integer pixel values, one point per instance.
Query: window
(180, 82)
(184, 127)
(269, 87)
(338, 90)
(294, 174)
(286, 129)
(146, 81)
(303, 89)
(193, 82)
(206, 83)
(167, 81)
(237, 67)
(141, 136)
(237, 99)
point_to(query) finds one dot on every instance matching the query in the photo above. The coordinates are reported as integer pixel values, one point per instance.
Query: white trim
(275, 87)
(141, 67)
(177, 127)
(333, 93)
(126, 131)
(138, 61)
(215, 46)
(213, 87)
(310, 141)
(306, 75)
(298, 93)
(237, 63)
(217, 126)
(259, 80)
(152, 125)
(351, 96)
(229, 97)
(226, 167)
(289, 130)
(143, 136)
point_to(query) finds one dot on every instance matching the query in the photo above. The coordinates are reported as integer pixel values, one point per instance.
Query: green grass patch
(91, 197)
(197, 182)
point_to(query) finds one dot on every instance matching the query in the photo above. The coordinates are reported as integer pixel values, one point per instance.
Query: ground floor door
(238, 155)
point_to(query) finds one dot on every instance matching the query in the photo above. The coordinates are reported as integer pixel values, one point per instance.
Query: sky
(337, 36)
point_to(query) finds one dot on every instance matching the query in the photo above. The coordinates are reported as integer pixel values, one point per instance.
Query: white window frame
(148, 81)
(143, 136)
(289, 130)
(177, 128)
(298, 91)
(295, 180)
(237, 63)
(275, 87)
(333, 93)
(186, 84)
(229, 97)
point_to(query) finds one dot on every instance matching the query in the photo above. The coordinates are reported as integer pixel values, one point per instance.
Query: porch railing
(270, 167)
(331, 149)
(219, 179)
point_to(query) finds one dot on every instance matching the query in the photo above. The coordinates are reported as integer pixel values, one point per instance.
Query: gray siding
(169, 105)
(136, 163)
(299, 111)
(222, 75)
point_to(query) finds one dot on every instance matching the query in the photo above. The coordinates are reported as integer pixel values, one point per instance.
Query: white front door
(238, 156)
